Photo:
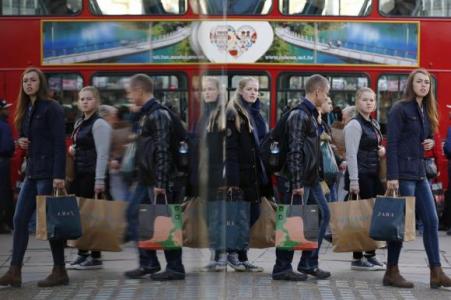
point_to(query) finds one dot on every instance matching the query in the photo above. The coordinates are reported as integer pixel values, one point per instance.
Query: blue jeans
(309, 259)
(148, 258)
(26, 207)
(425, 208)
(119, 189)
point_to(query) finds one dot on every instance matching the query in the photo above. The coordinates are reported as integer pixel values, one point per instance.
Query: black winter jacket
(44, 127)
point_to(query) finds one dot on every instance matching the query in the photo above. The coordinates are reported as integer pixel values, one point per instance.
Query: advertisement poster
(239, 42)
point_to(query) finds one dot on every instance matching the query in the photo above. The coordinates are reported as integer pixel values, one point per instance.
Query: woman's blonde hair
(217, 119)
(359, 94)
(429, 100)
(94, 91)
(235, 105)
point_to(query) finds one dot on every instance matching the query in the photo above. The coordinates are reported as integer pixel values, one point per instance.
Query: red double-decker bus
(354, 43)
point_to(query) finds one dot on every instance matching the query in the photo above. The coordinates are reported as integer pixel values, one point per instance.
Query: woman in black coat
(244, 167)
(40, 122)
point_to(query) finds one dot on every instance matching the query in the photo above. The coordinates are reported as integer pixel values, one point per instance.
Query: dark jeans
(425, 206)
(309, 259)
(370, 186)
(254, 214)
(83, 186)
(26, 206)
(6, 196)
(148, 258)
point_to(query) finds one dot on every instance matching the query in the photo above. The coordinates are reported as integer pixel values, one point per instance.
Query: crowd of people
(226, 159)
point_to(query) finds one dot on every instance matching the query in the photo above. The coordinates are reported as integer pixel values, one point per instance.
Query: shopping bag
(58, 218)
(350, 223)
(160, 226)
(103, 224)
(195, 229)
(237, 214)
(263, 232)
(297, 226)
(128, 161)
(330, 167)
(393, 219)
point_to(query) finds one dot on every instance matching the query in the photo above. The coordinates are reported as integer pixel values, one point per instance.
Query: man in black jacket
(303, 168)
(6, 151)
(154, 125)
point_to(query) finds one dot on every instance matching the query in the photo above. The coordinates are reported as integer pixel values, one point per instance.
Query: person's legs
(118, 187)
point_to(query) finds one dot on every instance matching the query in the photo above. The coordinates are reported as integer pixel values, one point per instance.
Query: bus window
(290, 89)
(171, 90)
(64, 88)
(325, 7)
(133, 7)
(414, 8)
(230, 83)
(232, 7)
(390, 88)
(42, 7)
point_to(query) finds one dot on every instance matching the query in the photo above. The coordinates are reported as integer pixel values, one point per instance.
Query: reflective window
(171, 90)
(39, 7)
(138, 7)
(390, 89)
(230, 83)
(290, 89)
(232, 7)
(325, 7)
(415, 8)
(64, 88)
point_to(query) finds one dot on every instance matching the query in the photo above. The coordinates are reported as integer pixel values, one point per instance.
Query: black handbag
(431, 168)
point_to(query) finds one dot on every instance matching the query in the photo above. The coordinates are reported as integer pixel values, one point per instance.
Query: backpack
(180, 141)
(274, 146)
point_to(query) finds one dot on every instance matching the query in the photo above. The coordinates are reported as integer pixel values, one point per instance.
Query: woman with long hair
(245, 171)
(363, 140)
(412, 123)
(91, 147)
(40, 123)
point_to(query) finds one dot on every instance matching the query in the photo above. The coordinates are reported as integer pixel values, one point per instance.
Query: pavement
(109, 282)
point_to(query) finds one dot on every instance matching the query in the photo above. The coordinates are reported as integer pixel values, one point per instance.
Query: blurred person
(121, 136)
(40, 122)
(412, 122)
(91, 147)
(447, 151)
(245, 171)
(363, 140)
(6, 152)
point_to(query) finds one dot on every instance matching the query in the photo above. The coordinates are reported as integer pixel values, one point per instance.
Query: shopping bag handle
(357, 196)
(292, 197)
(159, 195)
(56, 192)
(99, 196)
(395, 192)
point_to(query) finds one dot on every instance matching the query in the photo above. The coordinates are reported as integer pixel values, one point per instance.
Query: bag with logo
(297, 226)
(160, 226)
(103, 224)
(58, 217)
(350, 223)
(237, 213)
(393, 219)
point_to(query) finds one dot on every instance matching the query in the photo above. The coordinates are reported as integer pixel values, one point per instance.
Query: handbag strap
(357, 196)
(395, 192)
(59, 192)
(302, 200)
(165, 199)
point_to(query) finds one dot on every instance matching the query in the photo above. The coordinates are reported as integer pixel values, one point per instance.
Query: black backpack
(180, 144)
(274, 146)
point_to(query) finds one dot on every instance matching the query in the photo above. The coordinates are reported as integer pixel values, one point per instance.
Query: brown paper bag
(103, 225)
(409, 226)
(262, 234)
(195, 230)
(41, 218)
(350, 223)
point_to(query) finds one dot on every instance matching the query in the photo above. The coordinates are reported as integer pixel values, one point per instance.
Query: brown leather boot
(392, 277)
(12, 277)
(439, 278)
(57, 277)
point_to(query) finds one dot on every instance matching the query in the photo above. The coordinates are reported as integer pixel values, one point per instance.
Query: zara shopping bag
(237, 214)
(297, 226)
(58, 217)
(350, 223)
(160, 226)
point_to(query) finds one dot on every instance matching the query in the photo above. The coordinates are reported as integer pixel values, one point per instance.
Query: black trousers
(6, 194)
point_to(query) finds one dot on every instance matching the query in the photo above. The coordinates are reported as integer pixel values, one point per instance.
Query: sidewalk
(109, 283)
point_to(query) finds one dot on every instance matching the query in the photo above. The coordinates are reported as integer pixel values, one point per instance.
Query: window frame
(281, 8)
(77, 14)
(92, 13)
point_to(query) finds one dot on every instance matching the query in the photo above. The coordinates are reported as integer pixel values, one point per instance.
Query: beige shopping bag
(350, 222)
(195, 230)
(262, 233)
(103, 224)
(409, 226)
